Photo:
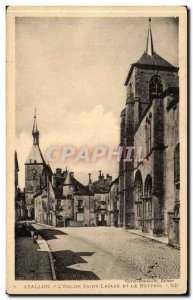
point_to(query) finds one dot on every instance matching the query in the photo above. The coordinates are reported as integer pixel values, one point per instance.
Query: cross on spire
(149, 46)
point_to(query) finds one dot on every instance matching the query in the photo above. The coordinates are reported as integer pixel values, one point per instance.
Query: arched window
(177, 164)
(138, 186)
(155, 87)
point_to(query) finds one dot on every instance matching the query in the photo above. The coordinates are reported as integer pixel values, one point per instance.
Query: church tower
(145, 82)
(34, 167)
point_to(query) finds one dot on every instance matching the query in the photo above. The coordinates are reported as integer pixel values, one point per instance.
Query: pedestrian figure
(35, 236)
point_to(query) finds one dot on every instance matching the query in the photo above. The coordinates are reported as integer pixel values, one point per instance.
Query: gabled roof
(150, 59)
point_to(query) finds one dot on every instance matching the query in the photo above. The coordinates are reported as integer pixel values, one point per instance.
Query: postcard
(97, 150)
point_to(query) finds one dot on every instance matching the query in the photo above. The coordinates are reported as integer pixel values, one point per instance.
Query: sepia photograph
(97, 143)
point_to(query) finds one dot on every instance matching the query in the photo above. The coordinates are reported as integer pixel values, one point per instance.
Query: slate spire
(35, 131)
(149, 46)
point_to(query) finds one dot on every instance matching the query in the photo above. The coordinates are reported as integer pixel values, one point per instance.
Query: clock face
(34, 173)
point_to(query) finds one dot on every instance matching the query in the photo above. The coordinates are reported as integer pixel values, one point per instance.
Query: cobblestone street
(108, 253)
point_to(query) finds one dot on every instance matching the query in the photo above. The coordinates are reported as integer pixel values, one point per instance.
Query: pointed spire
(35, 131)
(35, 122)
(16, 162)
(149, 47)
(68, 179)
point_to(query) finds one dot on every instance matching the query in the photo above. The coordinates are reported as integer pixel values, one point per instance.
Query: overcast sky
(73, 71)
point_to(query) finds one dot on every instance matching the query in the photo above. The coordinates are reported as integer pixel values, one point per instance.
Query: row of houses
(59, 199)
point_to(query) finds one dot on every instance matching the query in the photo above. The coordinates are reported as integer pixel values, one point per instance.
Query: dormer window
(155, 87)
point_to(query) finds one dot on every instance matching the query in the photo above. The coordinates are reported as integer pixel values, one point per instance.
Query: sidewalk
(160, 239)
(32, 261)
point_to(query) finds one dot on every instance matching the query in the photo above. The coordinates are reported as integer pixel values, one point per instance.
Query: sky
(73, 71)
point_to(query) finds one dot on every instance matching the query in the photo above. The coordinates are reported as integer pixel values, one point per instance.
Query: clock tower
(34, 167)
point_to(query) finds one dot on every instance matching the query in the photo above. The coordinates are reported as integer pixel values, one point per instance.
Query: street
(93, 253)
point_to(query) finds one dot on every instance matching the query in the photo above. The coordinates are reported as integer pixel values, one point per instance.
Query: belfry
(34, 166)
(146, 199)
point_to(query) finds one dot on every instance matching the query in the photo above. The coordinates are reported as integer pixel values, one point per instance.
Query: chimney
(99, 174)
(89, 178)
(109, 178)
(58, 171)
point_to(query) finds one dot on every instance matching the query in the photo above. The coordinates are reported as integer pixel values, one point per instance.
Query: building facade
(75, 201)
(113, 203)
(20, 207)
(149, 187)
(100, 189)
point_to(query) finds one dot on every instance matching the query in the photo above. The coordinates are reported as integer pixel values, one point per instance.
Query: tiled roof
(100, 188)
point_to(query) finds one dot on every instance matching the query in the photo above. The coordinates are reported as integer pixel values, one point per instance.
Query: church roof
(154, 60)
(35, 156)
(150, 59)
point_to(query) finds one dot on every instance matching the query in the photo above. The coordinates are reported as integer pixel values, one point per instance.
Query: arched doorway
(147, 204)
(138, 188)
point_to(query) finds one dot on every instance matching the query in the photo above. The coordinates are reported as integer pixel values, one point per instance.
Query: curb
(149, 238)
(51, 263)
(51, 259)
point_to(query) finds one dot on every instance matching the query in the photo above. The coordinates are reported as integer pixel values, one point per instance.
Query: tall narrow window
(177, 179)
(148, 196)
(177, 164)
(155, 87)
(138, 192)
(80, 205)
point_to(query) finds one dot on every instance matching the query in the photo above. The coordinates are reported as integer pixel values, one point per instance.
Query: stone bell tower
(33, 171)
(146, 81)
